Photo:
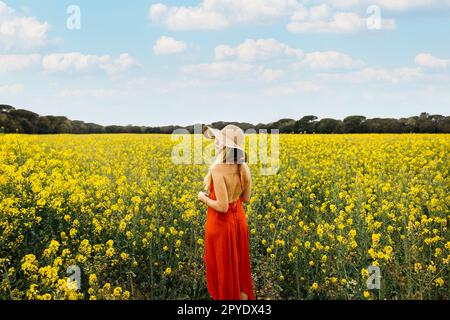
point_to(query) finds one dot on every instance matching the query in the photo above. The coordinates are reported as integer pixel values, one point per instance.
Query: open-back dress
(227, 257)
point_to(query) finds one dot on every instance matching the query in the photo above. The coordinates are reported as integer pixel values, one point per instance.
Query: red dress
(227, 257)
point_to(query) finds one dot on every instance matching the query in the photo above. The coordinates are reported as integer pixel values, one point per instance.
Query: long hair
(229, 156)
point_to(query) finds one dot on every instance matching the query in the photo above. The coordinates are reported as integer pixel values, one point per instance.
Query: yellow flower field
(116, 207)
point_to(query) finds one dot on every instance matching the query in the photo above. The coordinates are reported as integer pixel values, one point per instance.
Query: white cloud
(220, 14)
(168, 45)
(370, 74)
(123, 63)
(66, 62)
(272, 50)
(293, 88)
(157, 13)
(344, 3)
(224, 70)
(19, 32)
(18, 62)
(307, 16)
(427, 60)
(163, 86)
(187, 18)
(86, 93)
(402, 5)
(11, 89)
(394, 5)
(329, 60)
(251, 50)
(255, 60)
(323, 19)
(74, 61)
(77, 62)
(221, 70)
(271, 75)
(252, 11)
(252, 60)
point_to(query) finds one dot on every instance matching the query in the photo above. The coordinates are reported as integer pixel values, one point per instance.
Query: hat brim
(211, 133)
(218, 135)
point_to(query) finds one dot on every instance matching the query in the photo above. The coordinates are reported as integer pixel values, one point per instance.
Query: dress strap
(240, 177)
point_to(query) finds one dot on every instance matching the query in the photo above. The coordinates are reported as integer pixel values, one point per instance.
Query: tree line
(14, 120)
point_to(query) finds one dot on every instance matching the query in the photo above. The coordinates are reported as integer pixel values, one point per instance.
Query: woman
(227, 258)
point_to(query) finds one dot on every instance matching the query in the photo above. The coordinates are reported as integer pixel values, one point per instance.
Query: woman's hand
(202, 197)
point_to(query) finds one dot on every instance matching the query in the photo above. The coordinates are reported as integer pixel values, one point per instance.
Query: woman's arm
(220, 188)
(245, 197)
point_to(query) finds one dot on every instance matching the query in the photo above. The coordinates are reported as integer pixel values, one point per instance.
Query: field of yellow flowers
(117, 207)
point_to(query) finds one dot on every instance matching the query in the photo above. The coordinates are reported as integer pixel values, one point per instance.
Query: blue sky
(180, 62)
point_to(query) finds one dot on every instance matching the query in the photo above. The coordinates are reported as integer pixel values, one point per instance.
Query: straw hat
(231, 136)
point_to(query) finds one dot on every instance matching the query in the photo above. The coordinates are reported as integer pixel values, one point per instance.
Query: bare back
(235, 179)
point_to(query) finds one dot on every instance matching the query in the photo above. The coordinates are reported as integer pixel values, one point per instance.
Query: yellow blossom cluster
(119, 209)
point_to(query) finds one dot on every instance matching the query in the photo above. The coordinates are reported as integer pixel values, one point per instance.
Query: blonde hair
(225, 155)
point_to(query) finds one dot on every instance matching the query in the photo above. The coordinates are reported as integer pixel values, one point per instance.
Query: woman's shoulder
(224, 169)
(246, 171)
(218, 169)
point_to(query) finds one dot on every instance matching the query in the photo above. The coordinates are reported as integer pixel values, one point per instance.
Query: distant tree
(155, 130)
(114, 129)
(283, 125)
(425, 124)
(93, 128)
(305, 124)
(6, 108)
(3, 121)
(354, 124)
(378, 125)
(59, 125)
(25, 114)
(436, 117)
(329, 126)
(219, 125)
(24, 121)
(79, 127)
(424, 116)
(410, 124)
(443, 125)
(245, 126)
(133, 129)
(44, 125)
(169, 129)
